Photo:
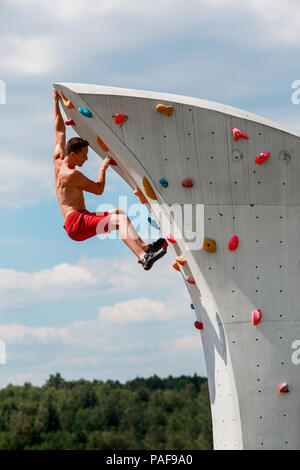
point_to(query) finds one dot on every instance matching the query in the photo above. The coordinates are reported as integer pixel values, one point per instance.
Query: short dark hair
(75, 145)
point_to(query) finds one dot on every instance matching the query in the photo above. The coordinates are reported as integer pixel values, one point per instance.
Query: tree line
(153, 413)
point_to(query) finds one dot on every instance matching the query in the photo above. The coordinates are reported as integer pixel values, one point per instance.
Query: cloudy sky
(87, 309)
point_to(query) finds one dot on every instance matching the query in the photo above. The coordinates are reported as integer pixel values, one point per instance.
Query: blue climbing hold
(153, 223)
(85, 112)
(192, 307)
(163, 182)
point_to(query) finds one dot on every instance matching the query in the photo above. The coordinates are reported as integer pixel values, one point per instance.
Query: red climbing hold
(256, 316)
(165, 246)
(237, 134)
(113, 162)
(187, 183)
(120, 118)
(262, 157)
(190, 280)
(283, 388)
(234, 243)
(69, 122)
(170, 238)
(198, 325)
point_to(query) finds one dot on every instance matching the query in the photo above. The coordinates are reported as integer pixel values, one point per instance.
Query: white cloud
(28, 55)
(135, 310)
(185, 343)
(24, 182)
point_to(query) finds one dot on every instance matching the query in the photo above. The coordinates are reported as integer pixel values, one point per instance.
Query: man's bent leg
(120, 221)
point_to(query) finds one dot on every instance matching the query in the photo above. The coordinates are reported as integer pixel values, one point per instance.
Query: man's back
(69, 196)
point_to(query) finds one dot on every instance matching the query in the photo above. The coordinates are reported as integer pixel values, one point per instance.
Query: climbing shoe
(150, 258)
(156, 246)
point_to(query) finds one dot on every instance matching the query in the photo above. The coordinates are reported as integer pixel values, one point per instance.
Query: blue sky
(87, 309)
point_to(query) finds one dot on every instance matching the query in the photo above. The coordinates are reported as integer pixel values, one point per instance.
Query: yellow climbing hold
(181, 260)
(139, 193)
(102, 144)
(66, 102)
(148, 189)
(209, 245)
(163, 109)
(175, 266)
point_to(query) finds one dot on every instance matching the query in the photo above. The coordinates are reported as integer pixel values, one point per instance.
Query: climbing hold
(162, 108)
(181, 260)
(163, 182)
(175, 266)
(139, 193)
(66, 102)
(190, 280)
(209, 245)
(192, 307)
(153, 223)
(187, 183)
(256, 316)
(262, 157)
(113, 162)
(69, 122)
(148, 189)
(120, 118)
(283, 388)
(165, 246)
(102, 144)
(198, 325)
(170, 238)
(237, 134)
(85, 112)
(233, 243)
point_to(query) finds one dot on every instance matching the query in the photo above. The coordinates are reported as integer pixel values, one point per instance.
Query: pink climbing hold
(190, 280)
(170, 238)
(120, 118)
(256, 316)
(237, 134)
(187, 183)
(69, 122)
(198, 325)
(234, 243)
(283, 388)
(262, 157)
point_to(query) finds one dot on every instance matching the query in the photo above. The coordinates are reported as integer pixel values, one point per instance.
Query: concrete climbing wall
(231, 195)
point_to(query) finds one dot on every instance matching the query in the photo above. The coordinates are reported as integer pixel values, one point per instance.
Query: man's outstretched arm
(60, 130)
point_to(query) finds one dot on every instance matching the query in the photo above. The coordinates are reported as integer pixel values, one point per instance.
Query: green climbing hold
(192, 307)
(153, 223)
(85, 112)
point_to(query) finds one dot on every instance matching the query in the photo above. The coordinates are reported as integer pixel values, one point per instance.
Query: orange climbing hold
(148, 189)
(139, 193)
(66, 102)
(234, 243)
(175, 266)
(102, 144)
(170, 238)
(256, 316)
(283, 388)
(190, 280)
(187, 183)
(209, 245)
(163, 109)
(262, 157)
(198, 325)
(237, 134)
(181, 260)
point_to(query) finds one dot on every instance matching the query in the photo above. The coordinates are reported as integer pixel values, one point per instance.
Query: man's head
(76, 150)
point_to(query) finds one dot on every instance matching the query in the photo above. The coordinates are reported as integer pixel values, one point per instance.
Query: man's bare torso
(70, 197)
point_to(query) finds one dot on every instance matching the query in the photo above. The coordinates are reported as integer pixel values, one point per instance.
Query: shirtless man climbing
(70, 184)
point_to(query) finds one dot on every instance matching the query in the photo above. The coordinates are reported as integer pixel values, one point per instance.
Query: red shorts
(81, 225)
